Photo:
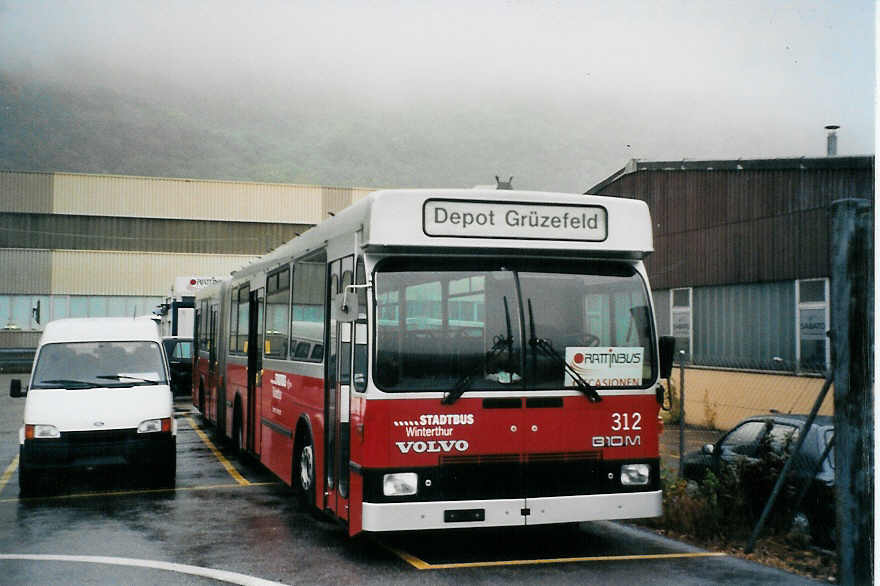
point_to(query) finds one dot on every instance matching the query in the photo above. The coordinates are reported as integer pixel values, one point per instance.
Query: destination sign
(495, 219)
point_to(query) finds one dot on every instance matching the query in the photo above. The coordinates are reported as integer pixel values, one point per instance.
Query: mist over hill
(137, 126)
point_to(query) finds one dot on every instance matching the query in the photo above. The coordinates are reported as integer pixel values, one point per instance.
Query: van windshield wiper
(128, 377)
(65, 381)
(547, 348)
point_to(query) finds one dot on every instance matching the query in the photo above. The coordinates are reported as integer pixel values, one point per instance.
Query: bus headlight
(400, 484)
(635, 474)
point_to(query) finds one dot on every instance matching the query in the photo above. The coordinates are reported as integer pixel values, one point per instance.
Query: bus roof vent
(499, 184)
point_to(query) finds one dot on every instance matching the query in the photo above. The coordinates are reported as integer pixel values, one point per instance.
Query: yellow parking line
(423, 565)
(83, 495)
(7, 474)
(226, 463)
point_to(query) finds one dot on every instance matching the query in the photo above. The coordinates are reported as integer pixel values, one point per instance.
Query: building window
(682, 319)
(17, 312)
(813, 350)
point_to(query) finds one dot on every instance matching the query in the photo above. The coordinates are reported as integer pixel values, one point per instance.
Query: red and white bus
(434, 359)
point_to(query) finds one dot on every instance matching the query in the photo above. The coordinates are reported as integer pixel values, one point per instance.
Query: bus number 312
(626, 421)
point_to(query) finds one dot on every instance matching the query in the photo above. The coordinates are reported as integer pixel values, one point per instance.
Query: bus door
(214, 387)
(338, 395)
(254, 367)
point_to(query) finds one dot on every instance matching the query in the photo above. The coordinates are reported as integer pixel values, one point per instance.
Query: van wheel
(304, 472)
(27, 481)
(166, 472)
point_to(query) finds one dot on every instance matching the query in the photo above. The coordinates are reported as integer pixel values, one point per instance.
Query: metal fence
(729, 436)
(747, 452)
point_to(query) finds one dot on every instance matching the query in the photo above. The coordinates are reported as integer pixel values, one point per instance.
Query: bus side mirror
(345, 306)
(15, 389)
(667, 354)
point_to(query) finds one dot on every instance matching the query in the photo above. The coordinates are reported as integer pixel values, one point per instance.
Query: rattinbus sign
(529, 221)
(618, 366)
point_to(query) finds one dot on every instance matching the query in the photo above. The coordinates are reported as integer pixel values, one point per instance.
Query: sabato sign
(495, 219)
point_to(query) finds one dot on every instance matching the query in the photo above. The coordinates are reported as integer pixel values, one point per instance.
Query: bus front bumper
(510, 512)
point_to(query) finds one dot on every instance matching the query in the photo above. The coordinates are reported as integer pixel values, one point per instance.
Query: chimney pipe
(832, 139)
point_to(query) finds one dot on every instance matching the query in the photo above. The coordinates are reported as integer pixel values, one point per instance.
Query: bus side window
(361, 359)
(307, 308)
(277, 308)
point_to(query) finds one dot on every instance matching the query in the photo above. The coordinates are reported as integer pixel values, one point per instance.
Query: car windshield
(489, 327)
(98, 364)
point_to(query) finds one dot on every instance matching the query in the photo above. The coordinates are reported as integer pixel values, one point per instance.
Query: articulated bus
(433, 359)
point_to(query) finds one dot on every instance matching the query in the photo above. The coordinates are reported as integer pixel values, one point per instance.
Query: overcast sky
(658, 80)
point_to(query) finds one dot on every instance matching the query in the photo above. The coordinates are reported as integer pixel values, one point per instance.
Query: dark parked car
(779, 433)
(179, 352)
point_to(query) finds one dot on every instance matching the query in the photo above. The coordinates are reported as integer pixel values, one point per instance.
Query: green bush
(728, 505)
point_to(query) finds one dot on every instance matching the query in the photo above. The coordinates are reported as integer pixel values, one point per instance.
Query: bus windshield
(487, 326)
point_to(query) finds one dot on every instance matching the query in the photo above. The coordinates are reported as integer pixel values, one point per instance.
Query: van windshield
(98, 364)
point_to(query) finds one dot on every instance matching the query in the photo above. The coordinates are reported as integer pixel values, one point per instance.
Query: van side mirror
(15, 389)
(667, 356)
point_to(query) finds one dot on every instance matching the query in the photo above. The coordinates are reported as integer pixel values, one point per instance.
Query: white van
(99, 395)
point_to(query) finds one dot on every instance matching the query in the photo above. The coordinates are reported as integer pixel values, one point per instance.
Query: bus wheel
(304, 471)
(236, 427)
(201, 404)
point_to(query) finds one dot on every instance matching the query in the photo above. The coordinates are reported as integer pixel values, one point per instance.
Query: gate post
(852, 323)
(681, 446)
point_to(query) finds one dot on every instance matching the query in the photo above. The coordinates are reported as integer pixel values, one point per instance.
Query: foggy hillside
(329, 138)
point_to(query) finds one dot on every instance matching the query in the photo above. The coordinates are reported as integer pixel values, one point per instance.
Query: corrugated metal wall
(151, 197)
(139, 234)
(745, 326)
(335, 199)
(156, 197)
(26, 192)
(25, 271)
(19, 339)
(77, 272)
(742, 226)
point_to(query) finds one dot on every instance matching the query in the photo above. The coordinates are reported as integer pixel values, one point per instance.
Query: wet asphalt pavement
(104, 527)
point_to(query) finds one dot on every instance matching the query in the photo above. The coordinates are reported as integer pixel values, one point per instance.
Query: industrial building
(78, 245)
(741, 272)
(741, 263)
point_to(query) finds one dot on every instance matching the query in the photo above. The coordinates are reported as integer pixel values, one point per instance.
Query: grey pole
(852, 321)
(681, 413)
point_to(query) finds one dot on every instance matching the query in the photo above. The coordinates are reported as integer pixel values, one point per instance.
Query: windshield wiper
(547, 348)
(500, 343)
(128, 377)
(66, 381)
(458, 390)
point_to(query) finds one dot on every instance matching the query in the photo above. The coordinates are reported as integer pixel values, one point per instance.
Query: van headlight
(400, 484)
(635, 474)
(155, 425)
(40, 431)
